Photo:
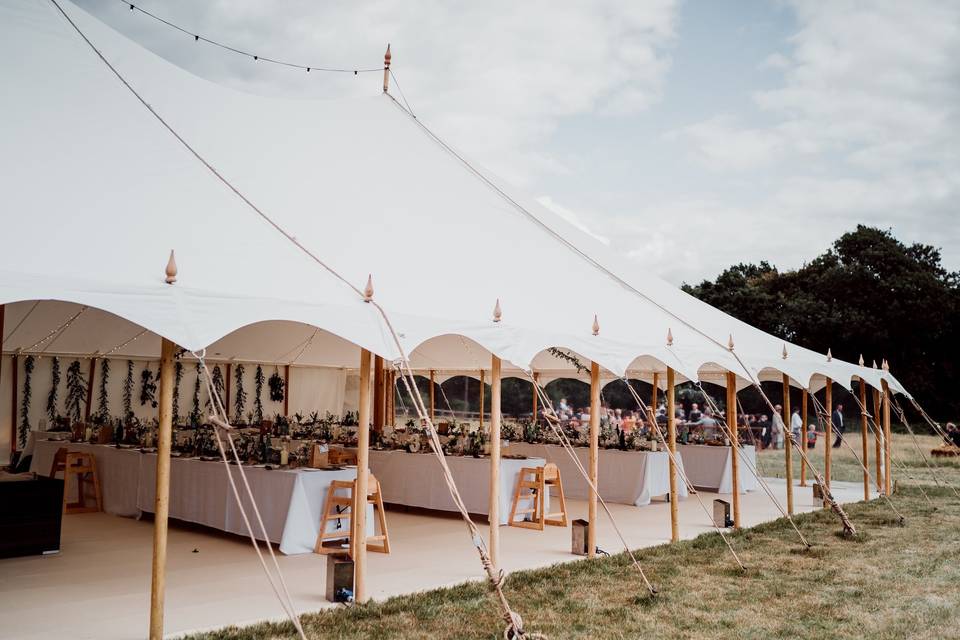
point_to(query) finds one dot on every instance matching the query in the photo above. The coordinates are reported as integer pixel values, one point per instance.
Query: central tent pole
(494, 511)
(653, 399)
(359, 520)
(482, 390)
(162, 500)
(828, 436)
(863, 438)
(594, 457)
(286, 387)
(379, 394)
(13, 423)
(734, 444)
(803, 435)
(536, 381)
(672, 443)
(91, 373)
(788, 439)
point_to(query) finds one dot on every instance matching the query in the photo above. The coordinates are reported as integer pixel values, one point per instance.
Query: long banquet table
(625, 477)
(416, 480)
(290, 501)
(711, 467)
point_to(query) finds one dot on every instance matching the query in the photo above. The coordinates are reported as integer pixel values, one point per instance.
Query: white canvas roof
(97, 192)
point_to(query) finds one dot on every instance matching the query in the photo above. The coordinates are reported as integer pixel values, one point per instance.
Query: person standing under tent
(796, 425)
(837, 419)
(776, 427)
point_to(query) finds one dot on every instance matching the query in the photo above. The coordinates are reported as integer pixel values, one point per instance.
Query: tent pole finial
(861, 359)
(497, 313)
(669, 337)
(886, 365)
(730, 342)
(171, 270)
(386, 70)
(596, 325)
(784, 350)
(368, 290)
(829, 355)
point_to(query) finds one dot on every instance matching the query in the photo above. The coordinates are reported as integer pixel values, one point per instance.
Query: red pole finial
(386, 70)
(171, 270)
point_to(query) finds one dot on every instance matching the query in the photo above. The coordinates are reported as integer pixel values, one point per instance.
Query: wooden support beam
(379, 394)
(828, 436)
(483, 389)
(14, 370)
(392, 398)
(672, 444)
(877, 440)
(162, 500)
(226, 391)
(734, 444)
(433, 406)
(286, 390)
(359, 520)
(863, 439)
(805, 400)
(594, 458)
(536, 396)
(91, 373)
(887, 471)
(653, 395)
(13, 424)
(788, 439)
(494, 510)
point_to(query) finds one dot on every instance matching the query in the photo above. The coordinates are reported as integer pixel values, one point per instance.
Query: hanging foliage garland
(258, 397)
(148, 389)
(76, 392)
(103, 399)
(276, 384)
(177, 377)
(195, 410)
(54, 387)
(240, 396)
(216, 381)
(24, 427)
(128, 393)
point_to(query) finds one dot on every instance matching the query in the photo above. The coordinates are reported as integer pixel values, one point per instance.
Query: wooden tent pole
(887, 475)
(594, 458)
(226, 395)
(828, 436)
(863, 439)
(805, 400)
(379, 395)
(482, 391)
(162, 499)
(536, 396)
(392, 414)
(878, 447)
(433, 412)
(286, 388)
(672, 443)
(13, 424)
(14, 370)
(494, 510)
(653, 398)
(359, 522)
(788, 439)
(734, 444)
(90, 375)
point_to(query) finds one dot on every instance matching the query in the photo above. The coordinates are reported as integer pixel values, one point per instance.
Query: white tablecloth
(712, 467)
(625, 477)
(290, 501)
(416, 480)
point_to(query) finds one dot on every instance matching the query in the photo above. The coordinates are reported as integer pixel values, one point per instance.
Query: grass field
(890, 581)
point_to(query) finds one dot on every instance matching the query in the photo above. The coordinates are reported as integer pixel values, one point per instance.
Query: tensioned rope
(916, 442)
(255, 57)
(753, 436)
(514, 621)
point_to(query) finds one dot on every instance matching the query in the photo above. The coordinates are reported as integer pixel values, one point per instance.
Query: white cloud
(572, 217)
(720, 145)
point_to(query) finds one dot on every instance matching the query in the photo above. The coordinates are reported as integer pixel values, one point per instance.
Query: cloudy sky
(686, 135)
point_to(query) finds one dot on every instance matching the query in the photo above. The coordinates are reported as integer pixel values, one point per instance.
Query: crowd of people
(765, 431)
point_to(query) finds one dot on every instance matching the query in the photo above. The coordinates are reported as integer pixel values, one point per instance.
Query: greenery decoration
(76, 392)
(148, 388)
(258, 395)
(128, 393)
(103, 400)
(195, 411)
(276, 384)
(177, 378)
(240, 395)
(54, 386)
(24, 427)
(216, 380)
(568, 357)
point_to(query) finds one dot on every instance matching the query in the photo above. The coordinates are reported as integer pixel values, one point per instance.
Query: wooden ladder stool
(340, 506)
(80, 466)
(533, 484)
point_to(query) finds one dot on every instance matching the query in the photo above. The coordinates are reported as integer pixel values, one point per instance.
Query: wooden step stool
(340, 506)
(79, 465)
(533, 484)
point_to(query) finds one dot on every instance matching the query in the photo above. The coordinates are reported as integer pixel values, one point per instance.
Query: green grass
(889, 581)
